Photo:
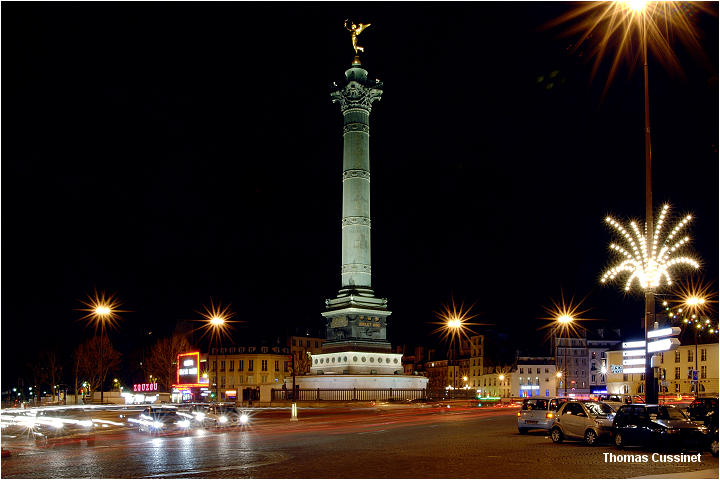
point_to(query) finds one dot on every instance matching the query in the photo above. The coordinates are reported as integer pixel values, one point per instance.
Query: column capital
(357, 92)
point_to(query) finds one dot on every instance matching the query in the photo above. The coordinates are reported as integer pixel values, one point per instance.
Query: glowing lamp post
(216, 320)
(695, 304)
(102, 310)
(564, 322)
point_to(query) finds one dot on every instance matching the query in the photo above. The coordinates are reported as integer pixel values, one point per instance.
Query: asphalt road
(383, 442)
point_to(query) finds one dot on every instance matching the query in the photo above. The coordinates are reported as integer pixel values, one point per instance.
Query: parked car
(711, 422)
(583, 420)
(701, 407)
(659, 426)
(161, 420)
(705, 410)
(538, 413)
(617, 400)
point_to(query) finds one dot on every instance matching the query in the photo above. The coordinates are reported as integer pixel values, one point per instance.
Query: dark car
(701, 407)
(711, 422)
(705, 410)
(659, 426)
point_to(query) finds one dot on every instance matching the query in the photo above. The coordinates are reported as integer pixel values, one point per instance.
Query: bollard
(293, 415)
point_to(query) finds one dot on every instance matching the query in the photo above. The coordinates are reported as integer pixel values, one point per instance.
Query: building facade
(534, 377)
(476, 364)
(571, 354)
(675, 374)
(442, 376)
(599, 342)
(237, 371)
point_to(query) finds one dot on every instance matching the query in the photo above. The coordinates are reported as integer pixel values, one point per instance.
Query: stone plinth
(357, 362)
(360, 381)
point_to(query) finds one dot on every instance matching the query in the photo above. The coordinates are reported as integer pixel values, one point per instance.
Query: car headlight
(244, 418)
(183, 423)
(157, 424)
(223, 419)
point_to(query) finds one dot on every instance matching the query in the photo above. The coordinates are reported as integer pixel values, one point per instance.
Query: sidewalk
(710, 473)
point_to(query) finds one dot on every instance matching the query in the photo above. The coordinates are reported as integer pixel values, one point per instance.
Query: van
(538, 413)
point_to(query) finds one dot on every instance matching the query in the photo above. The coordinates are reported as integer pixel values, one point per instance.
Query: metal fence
(349, 394)
(457, 394)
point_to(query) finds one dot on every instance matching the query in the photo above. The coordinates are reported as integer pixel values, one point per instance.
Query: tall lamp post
(102, 310)
(453, 325)
(217, 324)
(564, 321)
(695, 302)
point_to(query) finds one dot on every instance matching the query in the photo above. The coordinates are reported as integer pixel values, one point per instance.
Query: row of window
(233, 381)
(676, 388)
(295, 343)
(251, 365)
(703, 372)
(529, 370)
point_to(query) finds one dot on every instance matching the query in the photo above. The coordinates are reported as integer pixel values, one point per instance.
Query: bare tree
(54, 370)
(78, 355)
(162, 358)
(90, 364)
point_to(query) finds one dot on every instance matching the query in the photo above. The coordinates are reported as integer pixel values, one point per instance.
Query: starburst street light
(102, 311)
(454, 325)
(649, 264)
(563, 319)
(694, 298)
(618, 28)
(216, 323)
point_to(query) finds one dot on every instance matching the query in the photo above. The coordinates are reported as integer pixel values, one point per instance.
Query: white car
(538, 413)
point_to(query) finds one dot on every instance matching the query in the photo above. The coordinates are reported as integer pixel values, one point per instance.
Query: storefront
(192, 379)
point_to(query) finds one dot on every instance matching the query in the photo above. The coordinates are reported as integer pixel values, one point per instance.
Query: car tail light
(549, 415)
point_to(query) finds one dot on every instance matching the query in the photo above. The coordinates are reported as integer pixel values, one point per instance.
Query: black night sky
(174, 152)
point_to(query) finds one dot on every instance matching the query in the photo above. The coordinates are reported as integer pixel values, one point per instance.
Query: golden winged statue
(356, 30)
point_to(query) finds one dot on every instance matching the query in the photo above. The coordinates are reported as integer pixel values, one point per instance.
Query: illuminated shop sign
(145, 387)
(529, 387)
(188, 368)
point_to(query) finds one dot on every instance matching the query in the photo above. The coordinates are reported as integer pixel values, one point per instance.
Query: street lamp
(563, 318)
(453, 326)
(103, 310)
(216, 323)
(653, 22)
(695, 298)
(564, 322)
